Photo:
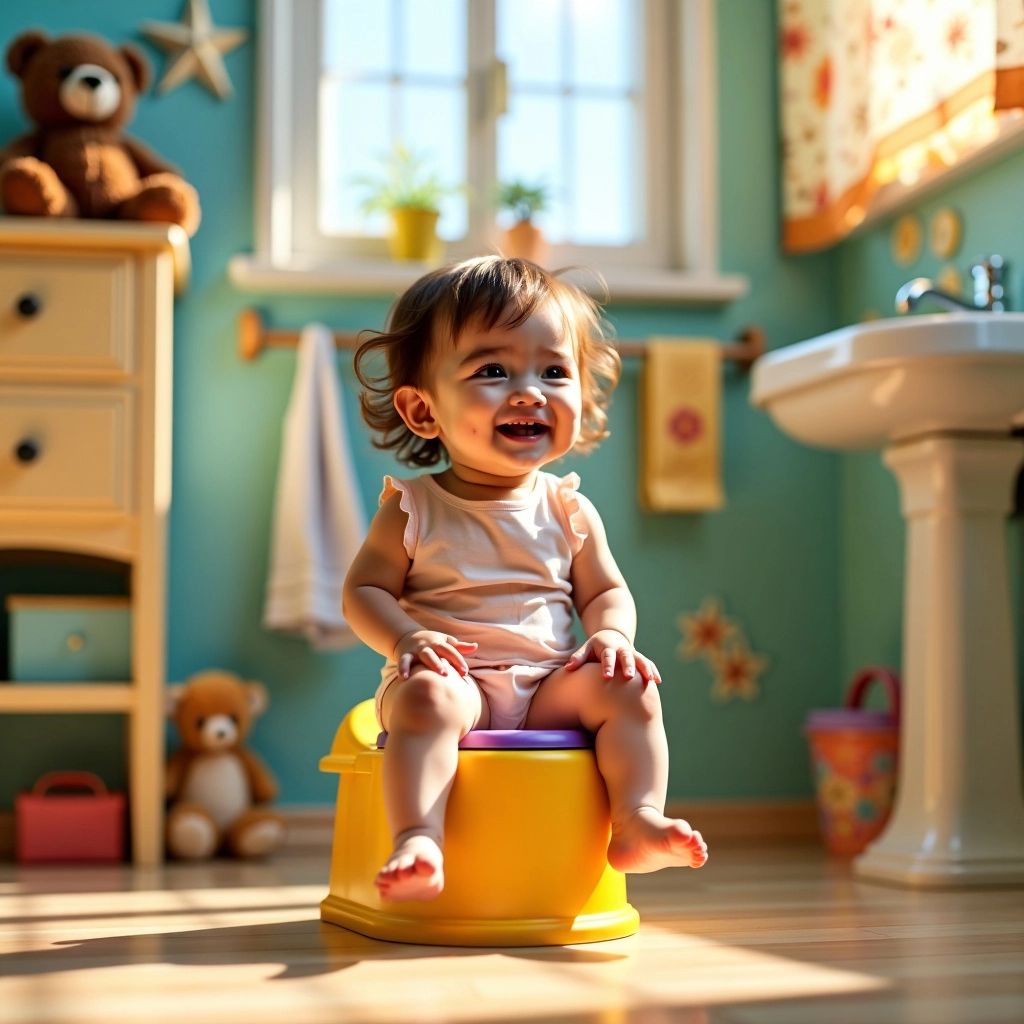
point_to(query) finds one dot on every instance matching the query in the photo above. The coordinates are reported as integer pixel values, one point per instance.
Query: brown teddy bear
(79, 91)
(216, 787)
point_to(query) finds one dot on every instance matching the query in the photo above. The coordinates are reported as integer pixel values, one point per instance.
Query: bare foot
(648, 841)
(414, 871)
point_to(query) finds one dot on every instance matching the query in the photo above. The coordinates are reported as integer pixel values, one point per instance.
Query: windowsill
(369, 278)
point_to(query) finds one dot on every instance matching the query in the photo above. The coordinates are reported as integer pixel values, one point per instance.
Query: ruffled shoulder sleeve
(567, 494)
(407, 503)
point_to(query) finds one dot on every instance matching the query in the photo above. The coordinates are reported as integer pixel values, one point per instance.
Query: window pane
(602, 172)
(355, 137)
(433, 37)
(357, 36)
(603, 42)
(432, 123)
(530, 40)
(522, 157)
(395, 72)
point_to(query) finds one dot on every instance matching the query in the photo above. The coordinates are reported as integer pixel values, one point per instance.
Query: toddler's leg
(425, 716)
(632, 756)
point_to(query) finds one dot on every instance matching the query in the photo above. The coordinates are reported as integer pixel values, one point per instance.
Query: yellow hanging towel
(680, 400)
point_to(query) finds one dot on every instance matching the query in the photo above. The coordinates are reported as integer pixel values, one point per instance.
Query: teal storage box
(69, 639)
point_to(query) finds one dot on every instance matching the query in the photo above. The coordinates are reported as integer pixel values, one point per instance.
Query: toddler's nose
(531, 395)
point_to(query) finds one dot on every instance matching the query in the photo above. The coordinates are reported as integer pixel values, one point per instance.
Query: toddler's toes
(414, 871)
(648, 841)
(699, 850)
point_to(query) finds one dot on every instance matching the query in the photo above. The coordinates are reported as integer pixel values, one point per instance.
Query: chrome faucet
(987, 276)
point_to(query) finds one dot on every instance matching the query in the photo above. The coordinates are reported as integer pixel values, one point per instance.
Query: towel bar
(254, 337)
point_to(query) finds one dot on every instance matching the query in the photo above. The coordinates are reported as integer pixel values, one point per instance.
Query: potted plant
(524, 200)
(410, 192)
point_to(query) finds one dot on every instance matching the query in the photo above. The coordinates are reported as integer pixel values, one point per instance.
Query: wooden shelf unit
(67, 698)
(86, 340)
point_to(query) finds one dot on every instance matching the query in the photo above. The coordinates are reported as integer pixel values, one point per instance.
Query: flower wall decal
(737, 672)
(708, 634)
(704, 631)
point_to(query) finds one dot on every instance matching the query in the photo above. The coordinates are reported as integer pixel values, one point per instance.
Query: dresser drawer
(69, 639)
(66, 315)
(65, 449)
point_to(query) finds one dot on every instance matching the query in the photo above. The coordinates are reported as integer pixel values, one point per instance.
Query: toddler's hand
(613, 650)
(435, 650)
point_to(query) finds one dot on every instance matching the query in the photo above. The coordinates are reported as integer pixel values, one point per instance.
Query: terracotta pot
(526, 241)
(414, 235)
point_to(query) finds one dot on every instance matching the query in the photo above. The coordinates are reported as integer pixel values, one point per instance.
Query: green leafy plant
(406, 181)
(523, 199)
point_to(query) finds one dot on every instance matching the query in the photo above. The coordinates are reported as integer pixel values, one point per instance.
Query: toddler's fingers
(608, 662)
(452, 655)
(628, 664)
(405, 665)
(578, 657)
(462, 647)
(648, 670)
(433, 660)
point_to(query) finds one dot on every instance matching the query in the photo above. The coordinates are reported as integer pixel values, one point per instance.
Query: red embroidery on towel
(685, 425)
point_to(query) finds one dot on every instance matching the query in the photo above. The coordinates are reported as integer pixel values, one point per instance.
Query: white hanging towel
(319, 521)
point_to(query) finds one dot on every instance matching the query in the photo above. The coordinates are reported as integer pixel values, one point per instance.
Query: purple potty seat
(518, 739)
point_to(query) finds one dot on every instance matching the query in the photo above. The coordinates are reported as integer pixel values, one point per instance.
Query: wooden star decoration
(197, 48)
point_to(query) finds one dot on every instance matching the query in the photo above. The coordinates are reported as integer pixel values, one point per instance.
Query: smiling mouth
(524, 430)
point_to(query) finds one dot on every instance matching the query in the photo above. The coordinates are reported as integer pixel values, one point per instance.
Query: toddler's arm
(375, 581)
(605, 607)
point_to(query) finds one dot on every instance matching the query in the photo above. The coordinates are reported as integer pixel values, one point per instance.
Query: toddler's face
(507, 400)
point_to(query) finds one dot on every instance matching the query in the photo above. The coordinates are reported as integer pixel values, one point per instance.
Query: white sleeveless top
(495, 573)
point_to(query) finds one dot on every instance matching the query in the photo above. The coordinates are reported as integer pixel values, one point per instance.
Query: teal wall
(989, 202)
(772, 554)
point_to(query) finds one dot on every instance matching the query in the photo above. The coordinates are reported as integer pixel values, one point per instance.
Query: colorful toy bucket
(854, 753)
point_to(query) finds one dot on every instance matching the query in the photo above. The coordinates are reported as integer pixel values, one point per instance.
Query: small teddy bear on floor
(217, 788)
(79, 91)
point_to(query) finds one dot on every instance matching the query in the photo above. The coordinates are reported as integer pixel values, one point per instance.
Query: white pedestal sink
(939, 395)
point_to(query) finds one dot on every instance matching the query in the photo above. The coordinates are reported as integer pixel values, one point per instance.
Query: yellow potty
(526, 836)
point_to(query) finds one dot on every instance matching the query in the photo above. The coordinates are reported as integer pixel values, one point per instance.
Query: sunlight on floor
(652, 968)
(194, 949)
(155, 901)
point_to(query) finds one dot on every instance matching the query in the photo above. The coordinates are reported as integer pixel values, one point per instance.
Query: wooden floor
(760, 935)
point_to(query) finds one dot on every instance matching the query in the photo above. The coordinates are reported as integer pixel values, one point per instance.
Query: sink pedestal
(959, 813)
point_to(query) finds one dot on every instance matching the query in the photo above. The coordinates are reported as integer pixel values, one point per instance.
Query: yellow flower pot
(414, 235)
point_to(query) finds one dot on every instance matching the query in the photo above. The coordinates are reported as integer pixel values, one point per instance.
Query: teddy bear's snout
(219, 731)
(90, 92)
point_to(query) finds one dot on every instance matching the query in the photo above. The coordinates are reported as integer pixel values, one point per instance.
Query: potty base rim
(545, 931)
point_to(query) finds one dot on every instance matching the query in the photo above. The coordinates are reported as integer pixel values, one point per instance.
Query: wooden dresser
(86, 337)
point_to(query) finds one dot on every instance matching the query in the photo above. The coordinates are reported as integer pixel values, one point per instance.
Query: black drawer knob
(27, 450)
(28, 305)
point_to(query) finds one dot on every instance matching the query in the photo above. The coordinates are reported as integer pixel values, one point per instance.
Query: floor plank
(762, 935)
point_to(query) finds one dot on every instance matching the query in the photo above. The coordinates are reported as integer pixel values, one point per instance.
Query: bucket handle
(859, 684)
(69, 780)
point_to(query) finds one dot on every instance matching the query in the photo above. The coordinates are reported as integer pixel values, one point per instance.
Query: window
(608, 103)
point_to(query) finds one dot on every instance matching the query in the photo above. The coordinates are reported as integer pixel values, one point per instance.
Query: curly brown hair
(493, 290)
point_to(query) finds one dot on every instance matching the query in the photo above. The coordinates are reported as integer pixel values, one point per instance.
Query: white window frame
(690, 270)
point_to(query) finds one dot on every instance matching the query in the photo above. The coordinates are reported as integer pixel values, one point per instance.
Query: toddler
(468, 577)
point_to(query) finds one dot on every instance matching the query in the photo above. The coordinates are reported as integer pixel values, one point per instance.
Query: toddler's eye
(555, 373)
(492, 371)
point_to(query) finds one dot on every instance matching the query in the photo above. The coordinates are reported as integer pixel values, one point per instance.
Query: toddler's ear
(414, 408)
